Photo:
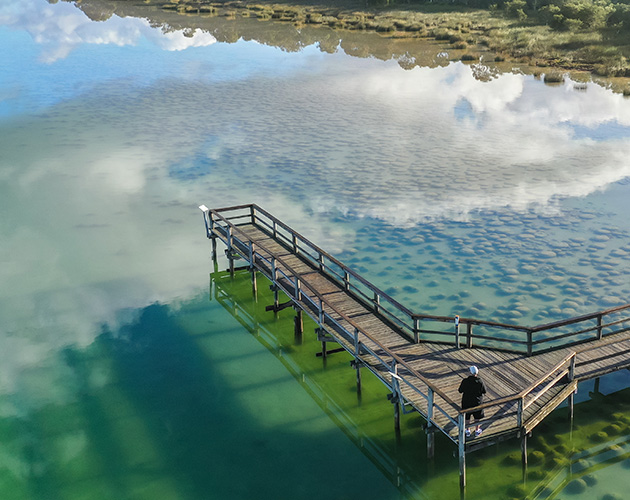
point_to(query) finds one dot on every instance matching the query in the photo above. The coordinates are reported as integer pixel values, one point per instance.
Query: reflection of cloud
(515, 148)
(96, 219)
(61, 27)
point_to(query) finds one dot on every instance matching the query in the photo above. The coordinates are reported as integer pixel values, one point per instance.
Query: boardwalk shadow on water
(179, 404)
(217, 399)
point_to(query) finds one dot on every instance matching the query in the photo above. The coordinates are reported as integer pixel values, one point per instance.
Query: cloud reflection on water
(61, 28)
(101, 189)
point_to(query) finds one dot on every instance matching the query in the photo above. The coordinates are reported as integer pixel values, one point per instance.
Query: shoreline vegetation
(583, 35)
(586, 38)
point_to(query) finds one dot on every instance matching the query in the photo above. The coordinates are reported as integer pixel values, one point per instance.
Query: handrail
(256, 212)
(336, 262)
(536, 383)
(345, 318)
(472, 321)
(579, 319)
(523, 393)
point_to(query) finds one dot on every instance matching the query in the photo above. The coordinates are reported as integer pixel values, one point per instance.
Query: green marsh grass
(602, 51)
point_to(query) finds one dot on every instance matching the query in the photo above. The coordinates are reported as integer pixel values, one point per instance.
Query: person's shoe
(478, 432)
(468, 433)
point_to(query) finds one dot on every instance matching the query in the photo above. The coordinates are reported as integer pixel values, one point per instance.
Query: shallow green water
(121, 378)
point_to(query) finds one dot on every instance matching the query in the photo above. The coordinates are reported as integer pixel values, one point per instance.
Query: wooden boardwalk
(424, 375)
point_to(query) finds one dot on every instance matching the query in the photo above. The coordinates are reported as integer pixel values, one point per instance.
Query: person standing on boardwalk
(472, 389)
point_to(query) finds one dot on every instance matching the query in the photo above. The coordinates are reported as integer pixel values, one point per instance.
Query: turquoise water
(120, 377)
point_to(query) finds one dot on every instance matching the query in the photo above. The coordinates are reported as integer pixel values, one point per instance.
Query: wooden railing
(463, 332)
(564, 369)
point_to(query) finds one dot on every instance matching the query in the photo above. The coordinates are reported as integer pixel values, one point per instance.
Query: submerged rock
(576, 486)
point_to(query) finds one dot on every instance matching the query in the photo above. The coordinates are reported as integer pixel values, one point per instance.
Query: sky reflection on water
(113, 132)
(121, 156)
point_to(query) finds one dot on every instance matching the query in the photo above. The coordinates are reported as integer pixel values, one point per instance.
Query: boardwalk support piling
(324, 338)
(524, 452)
(462, 450)
(278, 307)
(231, 262)
(254, 284)
(356, 364)
(299, 324)
(430, 430)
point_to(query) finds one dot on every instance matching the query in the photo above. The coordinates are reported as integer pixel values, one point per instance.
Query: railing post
(252, 214)
(599, 326)
(320, 260)
(416, 330)
(229, 251)
(469, 335)
(346, 280)
(208, 220)
(274, 274)
(294, 243)
(571, 376)
(519, 413)
(457, 332)
(213, 237)
(205, 211)
(251, 255)
(229, 239)
(357, 363)
(530, 343)
(320, 312)
(396, 395)
(377, 302)
(275, 229)
(298, 289)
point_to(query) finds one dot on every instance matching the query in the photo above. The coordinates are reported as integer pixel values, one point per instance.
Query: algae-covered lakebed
(123, 376)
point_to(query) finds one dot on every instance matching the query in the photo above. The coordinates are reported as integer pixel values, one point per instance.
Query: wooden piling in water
(430, 443)
(462, 450)
(254, 285)
(430, 426)
(524, 452)
(298, 324)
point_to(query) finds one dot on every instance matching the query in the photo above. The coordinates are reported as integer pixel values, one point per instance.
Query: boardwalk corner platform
(421, 358)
